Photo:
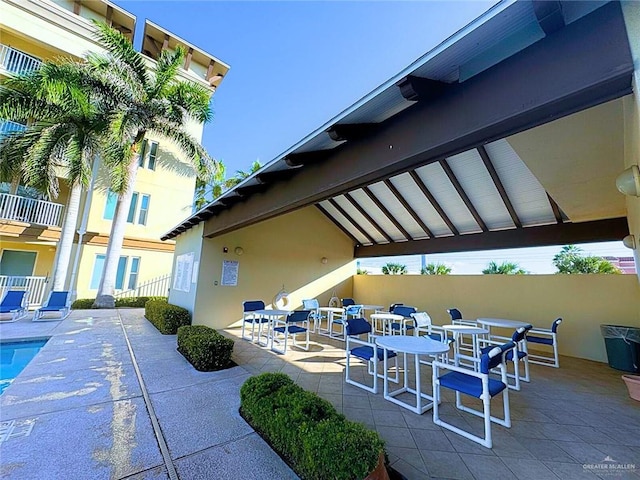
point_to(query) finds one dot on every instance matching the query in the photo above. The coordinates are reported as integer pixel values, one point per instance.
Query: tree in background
(505, 268)
(435, 269)
(361, 271)
(241, 175)
(210, 189)
(394, 269)
(571, 260)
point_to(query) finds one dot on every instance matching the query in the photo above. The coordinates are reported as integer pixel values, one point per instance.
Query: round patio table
(386, 319)
(458, 330)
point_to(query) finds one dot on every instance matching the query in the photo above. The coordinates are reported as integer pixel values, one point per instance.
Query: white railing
(7, 126)
(30, 210)
(156, 287)
(34, 285)
(17, 62)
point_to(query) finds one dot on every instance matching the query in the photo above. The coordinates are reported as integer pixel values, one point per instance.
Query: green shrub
(167, 318)
(306, 431)
(204, 348)
(82, 304)
(136, 302)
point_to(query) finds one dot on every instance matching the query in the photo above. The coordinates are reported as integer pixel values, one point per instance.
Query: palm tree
(505, 268)
(571, 260)
(241, 175)
(156, 103)
(207, 190)
(435, 269)
(65, 132)
(394, 269)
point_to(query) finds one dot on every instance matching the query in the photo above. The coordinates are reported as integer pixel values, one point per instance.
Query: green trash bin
(623, 347)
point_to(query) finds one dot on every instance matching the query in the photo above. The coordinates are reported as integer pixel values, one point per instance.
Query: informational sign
(230, 273)
(183, 272)
(194, 275)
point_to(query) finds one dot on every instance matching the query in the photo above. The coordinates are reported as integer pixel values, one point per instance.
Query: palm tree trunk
(15, 183)
(66, 238)
(105, 298)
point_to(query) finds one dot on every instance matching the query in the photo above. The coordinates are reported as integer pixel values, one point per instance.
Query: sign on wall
(230, 273)
(183, 272)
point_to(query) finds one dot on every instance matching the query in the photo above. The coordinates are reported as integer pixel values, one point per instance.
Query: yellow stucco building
(32, 31)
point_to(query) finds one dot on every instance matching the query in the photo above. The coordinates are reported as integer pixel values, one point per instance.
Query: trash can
(623, 347)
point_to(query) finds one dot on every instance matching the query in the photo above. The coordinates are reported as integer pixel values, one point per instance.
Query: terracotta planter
(633, 385)
(380, 472)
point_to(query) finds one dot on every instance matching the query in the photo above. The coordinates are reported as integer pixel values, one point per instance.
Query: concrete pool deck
(79, 411)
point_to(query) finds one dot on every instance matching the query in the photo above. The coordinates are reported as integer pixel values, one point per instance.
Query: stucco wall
(282, 251)
(44, 258)
(583, 301)
(187, 242)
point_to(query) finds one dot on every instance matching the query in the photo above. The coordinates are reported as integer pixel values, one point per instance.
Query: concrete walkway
(109, 397)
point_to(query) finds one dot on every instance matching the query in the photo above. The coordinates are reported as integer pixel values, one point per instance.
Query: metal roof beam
(463, 195)
(555, 234)
(549, 14)
(355, 224)
(418, 89)
(364, 213)
(351, 131)
(434, 203)
(499, 186)
(584, 64)
(376, 201)
(408, 208)
(295, 160)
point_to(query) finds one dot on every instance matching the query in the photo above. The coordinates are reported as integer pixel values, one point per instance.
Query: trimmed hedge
(166, 317)
(134, 302)
(204, 348)
(306, 431)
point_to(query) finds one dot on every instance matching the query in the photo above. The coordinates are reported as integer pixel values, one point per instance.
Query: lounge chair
(15, 303)
(57, 302)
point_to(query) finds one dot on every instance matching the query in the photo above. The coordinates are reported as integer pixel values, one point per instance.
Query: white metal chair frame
(289, 327)
(485, 396)
(424, 324)
(520, 347)
(463, 344)
(314, 306)
(538, 336)
(250, 316)
(351, 310)
(372, 364)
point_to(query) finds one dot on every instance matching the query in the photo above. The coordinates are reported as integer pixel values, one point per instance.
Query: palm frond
(120, 48)
(193, 99)
(166, 71)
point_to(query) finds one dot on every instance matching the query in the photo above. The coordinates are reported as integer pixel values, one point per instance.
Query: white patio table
(458, 330)
(386, 319)
(271, 315)
(501, 323)
(416, 346)
(330, 311)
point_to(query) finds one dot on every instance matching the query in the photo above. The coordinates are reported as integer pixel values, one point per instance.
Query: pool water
(14, 356)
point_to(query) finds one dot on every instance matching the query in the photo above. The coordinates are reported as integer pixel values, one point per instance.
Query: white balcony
(35, 286)
(30, 210)
(16, 62)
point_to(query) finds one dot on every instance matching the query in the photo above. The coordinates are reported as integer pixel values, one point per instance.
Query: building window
(133, 207)
(124, 276)
(148, 154)
(144, 209)
(110, 206)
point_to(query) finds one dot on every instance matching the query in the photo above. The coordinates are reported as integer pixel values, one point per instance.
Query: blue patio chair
(348, 301)
(351, 310)
(14, 302)
(521, 355)
(364, 351)
(249, 308)
(58, 302)
(465, 343)
(545, 336)
(291, 326)
(406, 325)
(475, 384)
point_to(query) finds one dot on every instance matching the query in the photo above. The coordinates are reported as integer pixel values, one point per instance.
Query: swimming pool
(14, 356)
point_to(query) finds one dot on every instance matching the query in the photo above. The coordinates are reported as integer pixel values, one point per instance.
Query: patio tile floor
(563, 419)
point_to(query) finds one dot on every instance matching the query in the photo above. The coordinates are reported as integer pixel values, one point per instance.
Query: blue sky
(297, 64)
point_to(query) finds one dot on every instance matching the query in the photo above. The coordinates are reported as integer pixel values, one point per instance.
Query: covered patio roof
(509, 133)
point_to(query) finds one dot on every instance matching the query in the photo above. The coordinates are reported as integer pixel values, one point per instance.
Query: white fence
(156, 287)
(17, 62)
(30, 210)
(34, 285)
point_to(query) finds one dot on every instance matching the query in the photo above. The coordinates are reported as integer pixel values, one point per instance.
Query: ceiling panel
(378, 215)
(421, 205)
(361, 220)
(444, 192)
(388, 199)
(475, 180)
(527, 195)
(346, 224)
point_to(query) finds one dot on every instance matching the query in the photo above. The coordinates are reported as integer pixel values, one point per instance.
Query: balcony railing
(34, 285)
(17, 62)
(29, 210)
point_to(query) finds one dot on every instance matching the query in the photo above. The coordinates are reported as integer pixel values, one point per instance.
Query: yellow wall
(282, 251)
(583, 301)
(44, 259)
(152, 264)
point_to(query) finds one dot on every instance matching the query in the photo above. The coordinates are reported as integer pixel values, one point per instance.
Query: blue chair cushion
(398, 326)
(542, 340)
(470, 385)
(438, 337)
(51, 309)
(10, 308)
(520, 355)
(256, 320)
(366, 353)
(292, 329)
